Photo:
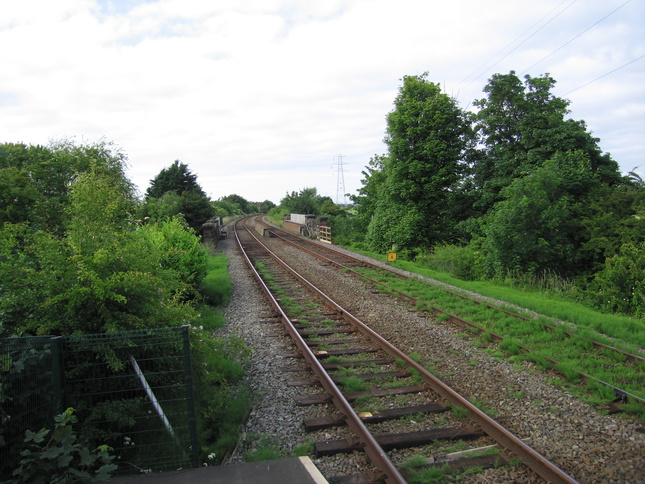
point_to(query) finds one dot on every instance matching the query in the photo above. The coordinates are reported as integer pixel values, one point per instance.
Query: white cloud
(259, 96)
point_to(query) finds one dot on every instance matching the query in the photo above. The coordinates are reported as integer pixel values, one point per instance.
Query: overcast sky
(260, 97)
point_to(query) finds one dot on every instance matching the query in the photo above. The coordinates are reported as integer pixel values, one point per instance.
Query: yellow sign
(391, 256)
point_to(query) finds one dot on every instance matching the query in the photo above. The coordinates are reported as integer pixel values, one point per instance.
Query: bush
(59, 457)
(462, 262)
(621, 284)
(224, 402)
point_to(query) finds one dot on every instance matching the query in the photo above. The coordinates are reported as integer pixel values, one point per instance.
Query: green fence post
(57, 374)
(190, 400)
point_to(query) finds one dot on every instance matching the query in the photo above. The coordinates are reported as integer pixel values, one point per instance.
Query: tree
(243, 205)
(176, 178)
(537, 226)
(36, 179)
(615, 217)
(193, 204)
(427, 134)
(367, 198)
(307, 201)
(521, 126)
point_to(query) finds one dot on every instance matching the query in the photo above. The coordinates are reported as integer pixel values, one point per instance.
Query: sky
(261, 98)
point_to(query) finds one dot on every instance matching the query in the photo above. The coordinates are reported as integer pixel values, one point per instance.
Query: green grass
(265, 448)
(530, 340)
(629, 330)
(354, 384)
(210, 318)
(216, 286)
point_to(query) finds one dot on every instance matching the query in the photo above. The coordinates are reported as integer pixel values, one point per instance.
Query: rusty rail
(534, 460)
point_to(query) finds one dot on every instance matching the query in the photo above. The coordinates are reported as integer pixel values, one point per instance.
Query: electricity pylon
(340, 184)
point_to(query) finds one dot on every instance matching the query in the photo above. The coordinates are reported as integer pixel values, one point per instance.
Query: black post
(190, 398)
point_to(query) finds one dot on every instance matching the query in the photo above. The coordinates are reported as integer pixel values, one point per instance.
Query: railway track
(599, 354)
(384, 398)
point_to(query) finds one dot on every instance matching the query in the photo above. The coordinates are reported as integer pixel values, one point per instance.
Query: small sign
(391, 256)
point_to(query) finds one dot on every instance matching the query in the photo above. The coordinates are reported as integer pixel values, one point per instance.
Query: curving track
(603, 353)
(314, 321)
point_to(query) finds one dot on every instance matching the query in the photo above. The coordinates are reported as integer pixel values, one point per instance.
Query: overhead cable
(518, 45)
(606, 74)
(574, 38)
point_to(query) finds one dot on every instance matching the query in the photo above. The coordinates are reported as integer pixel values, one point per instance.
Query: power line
(574, 38)
(606, 74)
(518, 45)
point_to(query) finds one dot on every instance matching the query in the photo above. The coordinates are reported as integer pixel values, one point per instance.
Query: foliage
(105, 275)
(306, 202)
(58, 456)
(521, 125)
(176, 178)
(231, 205)
(224, 401)
(427, 135)
(216, 287)
(621, 283)
(615, 216)
(464, 262)
(36, 180)
(175, 191)
(368, 195)
(537, 226)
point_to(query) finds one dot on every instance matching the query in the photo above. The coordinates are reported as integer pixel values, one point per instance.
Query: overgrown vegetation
(58, 456)
(80, 253)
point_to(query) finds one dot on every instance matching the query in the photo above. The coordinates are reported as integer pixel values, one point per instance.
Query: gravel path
(591, 447)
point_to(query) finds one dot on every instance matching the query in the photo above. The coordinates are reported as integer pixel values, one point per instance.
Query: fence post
(58, 376)
(190, 400)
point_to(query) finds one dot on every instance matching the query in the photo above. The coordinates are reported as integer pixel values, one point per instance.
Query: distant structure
(340, 185)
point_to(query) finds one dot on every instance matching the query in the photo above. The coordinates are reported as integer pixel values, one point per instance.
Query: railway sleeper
(320, 423)
(351, 396)
(365, 376)
(397, 441)
(461, 464)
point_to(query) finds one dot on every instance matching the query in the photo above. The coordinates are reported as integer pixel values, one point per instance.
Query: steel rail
(533, 459)
(371, 447)
(620, 393)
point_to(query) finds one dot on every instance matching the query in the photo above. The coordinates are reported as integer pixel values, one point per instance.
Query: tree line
(514, 189)
(81, 251)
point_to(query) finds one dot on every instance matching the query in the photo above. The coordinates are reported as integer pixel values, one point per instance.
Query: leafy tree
(192, 204)
(307, 201)
(616, 217)
(427, 135)
(243, 205)
(265, 206)
(328, 207)
(367, 198)
(522, 125)
(17, 195)
(36, 179)
(537, 227)
(104, 275)
(176, 178)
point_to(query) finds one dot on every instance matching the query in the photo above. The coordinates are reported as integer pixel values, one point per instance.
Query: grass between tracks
(574, 354)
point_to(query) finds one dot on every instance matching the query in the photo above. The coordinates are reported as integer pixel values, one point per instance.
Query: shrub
(462, 262)
(59, 457)
(621, 284)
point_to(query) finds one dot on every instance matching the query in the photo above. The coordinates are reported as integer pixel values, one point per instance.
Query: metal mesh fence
(29, 397)
(130, 390)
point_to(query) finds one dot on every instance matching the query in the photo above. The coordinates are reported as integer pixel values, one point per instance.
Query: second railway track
(371, 368)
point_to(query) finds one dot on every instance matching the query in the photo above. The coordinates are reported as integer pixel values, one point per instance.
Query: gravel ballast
(589, 446)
